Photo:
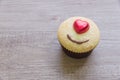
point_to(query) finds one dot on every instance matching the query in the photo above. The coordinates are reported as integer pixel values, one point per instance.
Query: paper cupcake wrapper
(76, 55)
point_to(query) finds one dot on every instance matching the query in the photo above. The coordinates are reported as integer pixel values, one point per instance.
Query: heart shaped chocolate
(81, 26)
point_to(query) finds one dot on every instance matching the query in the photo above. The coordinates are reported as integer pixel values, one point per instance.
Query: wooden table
(29, 49)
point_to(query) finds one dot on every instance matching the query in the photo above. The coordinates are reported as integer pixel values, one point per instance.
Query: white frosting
(67, 28)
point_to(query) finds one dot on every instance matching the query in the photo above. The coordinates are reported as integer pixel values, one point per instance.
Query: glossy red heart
(81, 26)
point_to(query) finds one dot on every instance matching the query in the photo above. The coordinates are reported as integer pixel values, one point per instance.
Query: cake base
(76, 55)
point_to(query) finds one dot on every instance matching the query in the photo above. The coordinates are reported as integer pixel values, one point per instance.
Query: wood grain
(29, 49)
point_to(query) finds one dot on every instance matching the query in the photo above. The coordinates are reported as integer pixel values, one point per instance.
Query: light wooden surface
(29, 49)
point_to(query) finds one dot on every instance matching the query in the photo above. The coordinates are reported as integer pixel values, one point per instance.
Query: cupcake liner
(76, 55)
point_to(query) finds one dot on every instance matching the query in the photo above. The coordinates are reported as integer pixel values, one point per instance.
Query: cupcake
(78, 36)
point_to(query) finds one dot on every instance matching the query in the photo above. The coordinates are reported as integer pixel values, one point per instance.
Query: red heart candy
(80, 26)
